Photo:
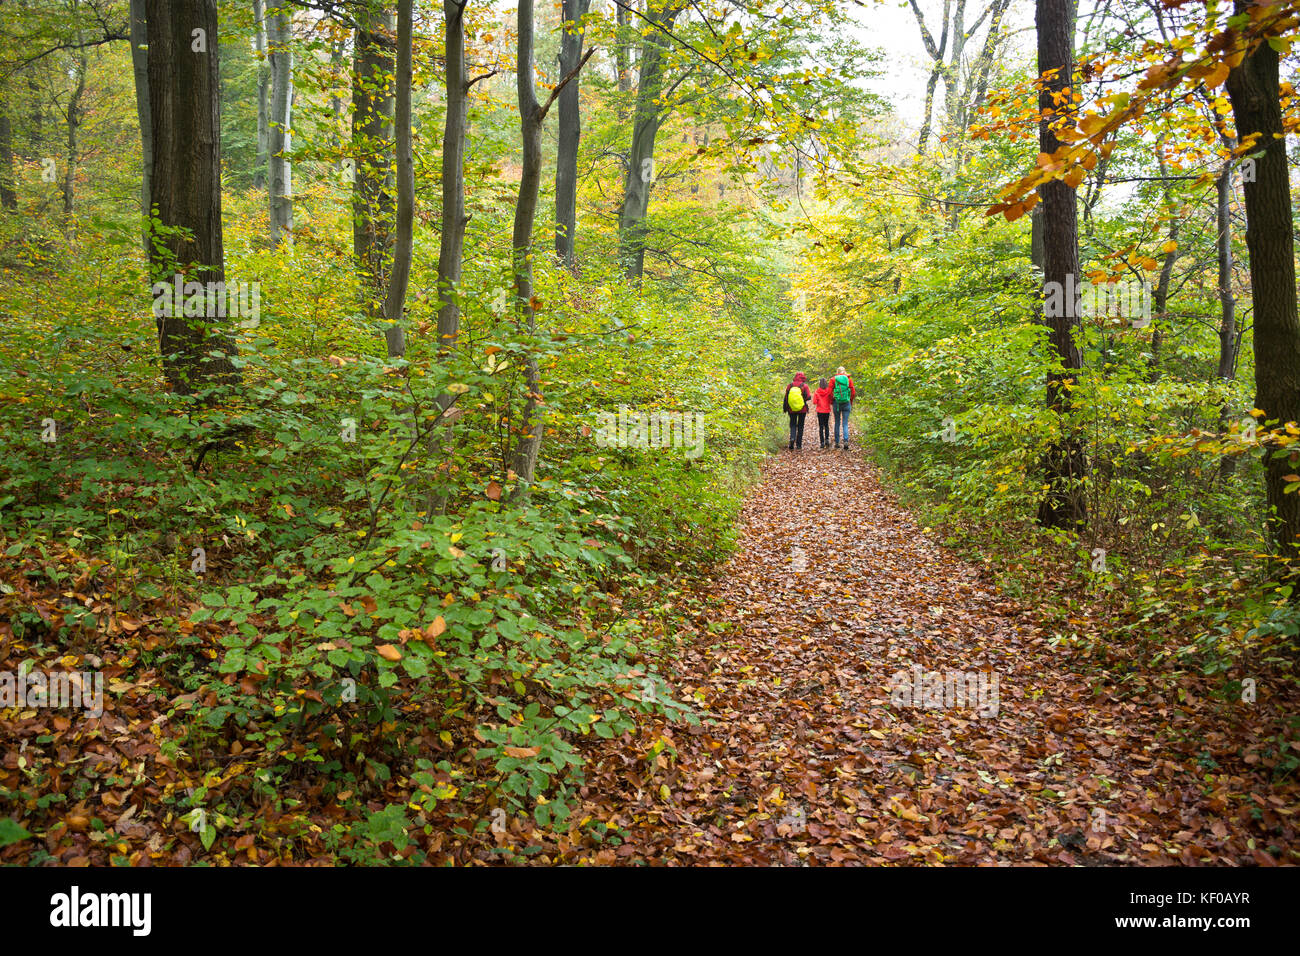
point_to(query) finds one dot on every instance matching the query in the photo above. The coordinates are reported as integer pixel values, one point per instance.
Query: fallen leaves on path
(811, 754)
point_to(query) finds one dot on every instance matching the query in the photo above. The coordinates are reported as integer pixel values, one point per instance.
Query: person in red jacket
(797, 411)
(822, 402)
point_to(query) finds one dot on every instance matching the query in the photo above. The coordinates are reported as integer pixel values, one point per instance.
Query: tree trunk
(140, 67)
(1227, 301)
(530, 116)
(1065, 464)
(74, 123)
(185, 122)
(1256, 109)
(1161, 297)
(952, 85)
(400, 276)
(570, 133)
(263, 95)
(337, 49)
(372, 149)
(1227, 369)
(36, 121)
(936, 50)
(8, 194)
(622, 54)
(451, 249)
(640, 159)
(923, 137)
(279, 37)
(1160, 302)
(983, 66)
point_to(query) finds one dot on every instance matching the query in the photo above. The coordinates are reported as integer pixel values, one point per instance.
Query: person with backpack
(843, 394)
(797, 398)
(822, 402)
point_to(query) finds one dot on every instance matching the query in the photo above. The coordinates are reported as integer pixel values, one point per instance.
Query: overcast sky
(891, 25)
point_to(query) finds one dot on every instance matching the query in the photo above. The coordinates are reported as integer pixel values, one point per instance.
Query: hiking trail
(802, 757)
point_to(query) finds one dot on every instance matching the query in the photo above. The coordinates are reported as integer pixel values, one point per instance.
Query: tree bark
(936, 50)
(451, 249)
(1227, 369)
(71, 156)
(140, 67)
(530, 117)
(570, 133)
(185, 122)
(400, 276)
(1161, 297)
(263, 95)
(1227, 300)
(1256, 109)
(279, 37)
(8, 194)
(645, 127)
(622, 50)
(372, 149)
(1065, 464)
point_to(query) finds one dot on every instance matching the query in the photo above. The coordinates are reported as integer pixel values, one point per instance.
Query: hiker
(843, 393)
(822, 402)
(796, 402)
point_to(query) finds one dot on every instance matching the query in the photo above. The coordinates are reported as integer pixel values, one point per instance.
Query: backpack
(794, 398)
(842, 392)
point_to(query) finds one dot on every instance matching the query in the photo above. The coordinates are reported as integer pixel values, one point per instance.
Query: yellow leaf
(388, 652)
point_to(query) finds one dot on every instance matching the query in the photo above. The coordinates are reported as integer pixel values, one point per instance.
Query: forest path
(802, 757)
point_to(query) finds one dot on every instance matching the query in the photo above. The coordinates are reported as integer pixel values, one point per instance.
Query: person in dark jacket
(799, 410)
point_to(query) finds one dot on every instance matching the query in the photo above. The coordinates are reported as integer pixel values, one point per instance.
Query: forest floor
(806, 750)
(802, 758)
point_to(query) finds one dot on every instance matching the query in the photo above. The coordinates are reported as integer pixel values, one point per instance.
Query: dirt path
(804, 758)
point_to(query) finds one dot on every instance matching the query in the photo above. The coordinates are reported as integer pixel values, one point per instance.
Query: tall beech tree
(451, 249)
(400, 277)
(8, 195)
(648, 116)
(263, 93)
(140, 69)
(569, 132)
(1257, 111)
(372, 149)
(1065, 463)
(73, 116)
(531, 116)
(279, 34)
(185, 180)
